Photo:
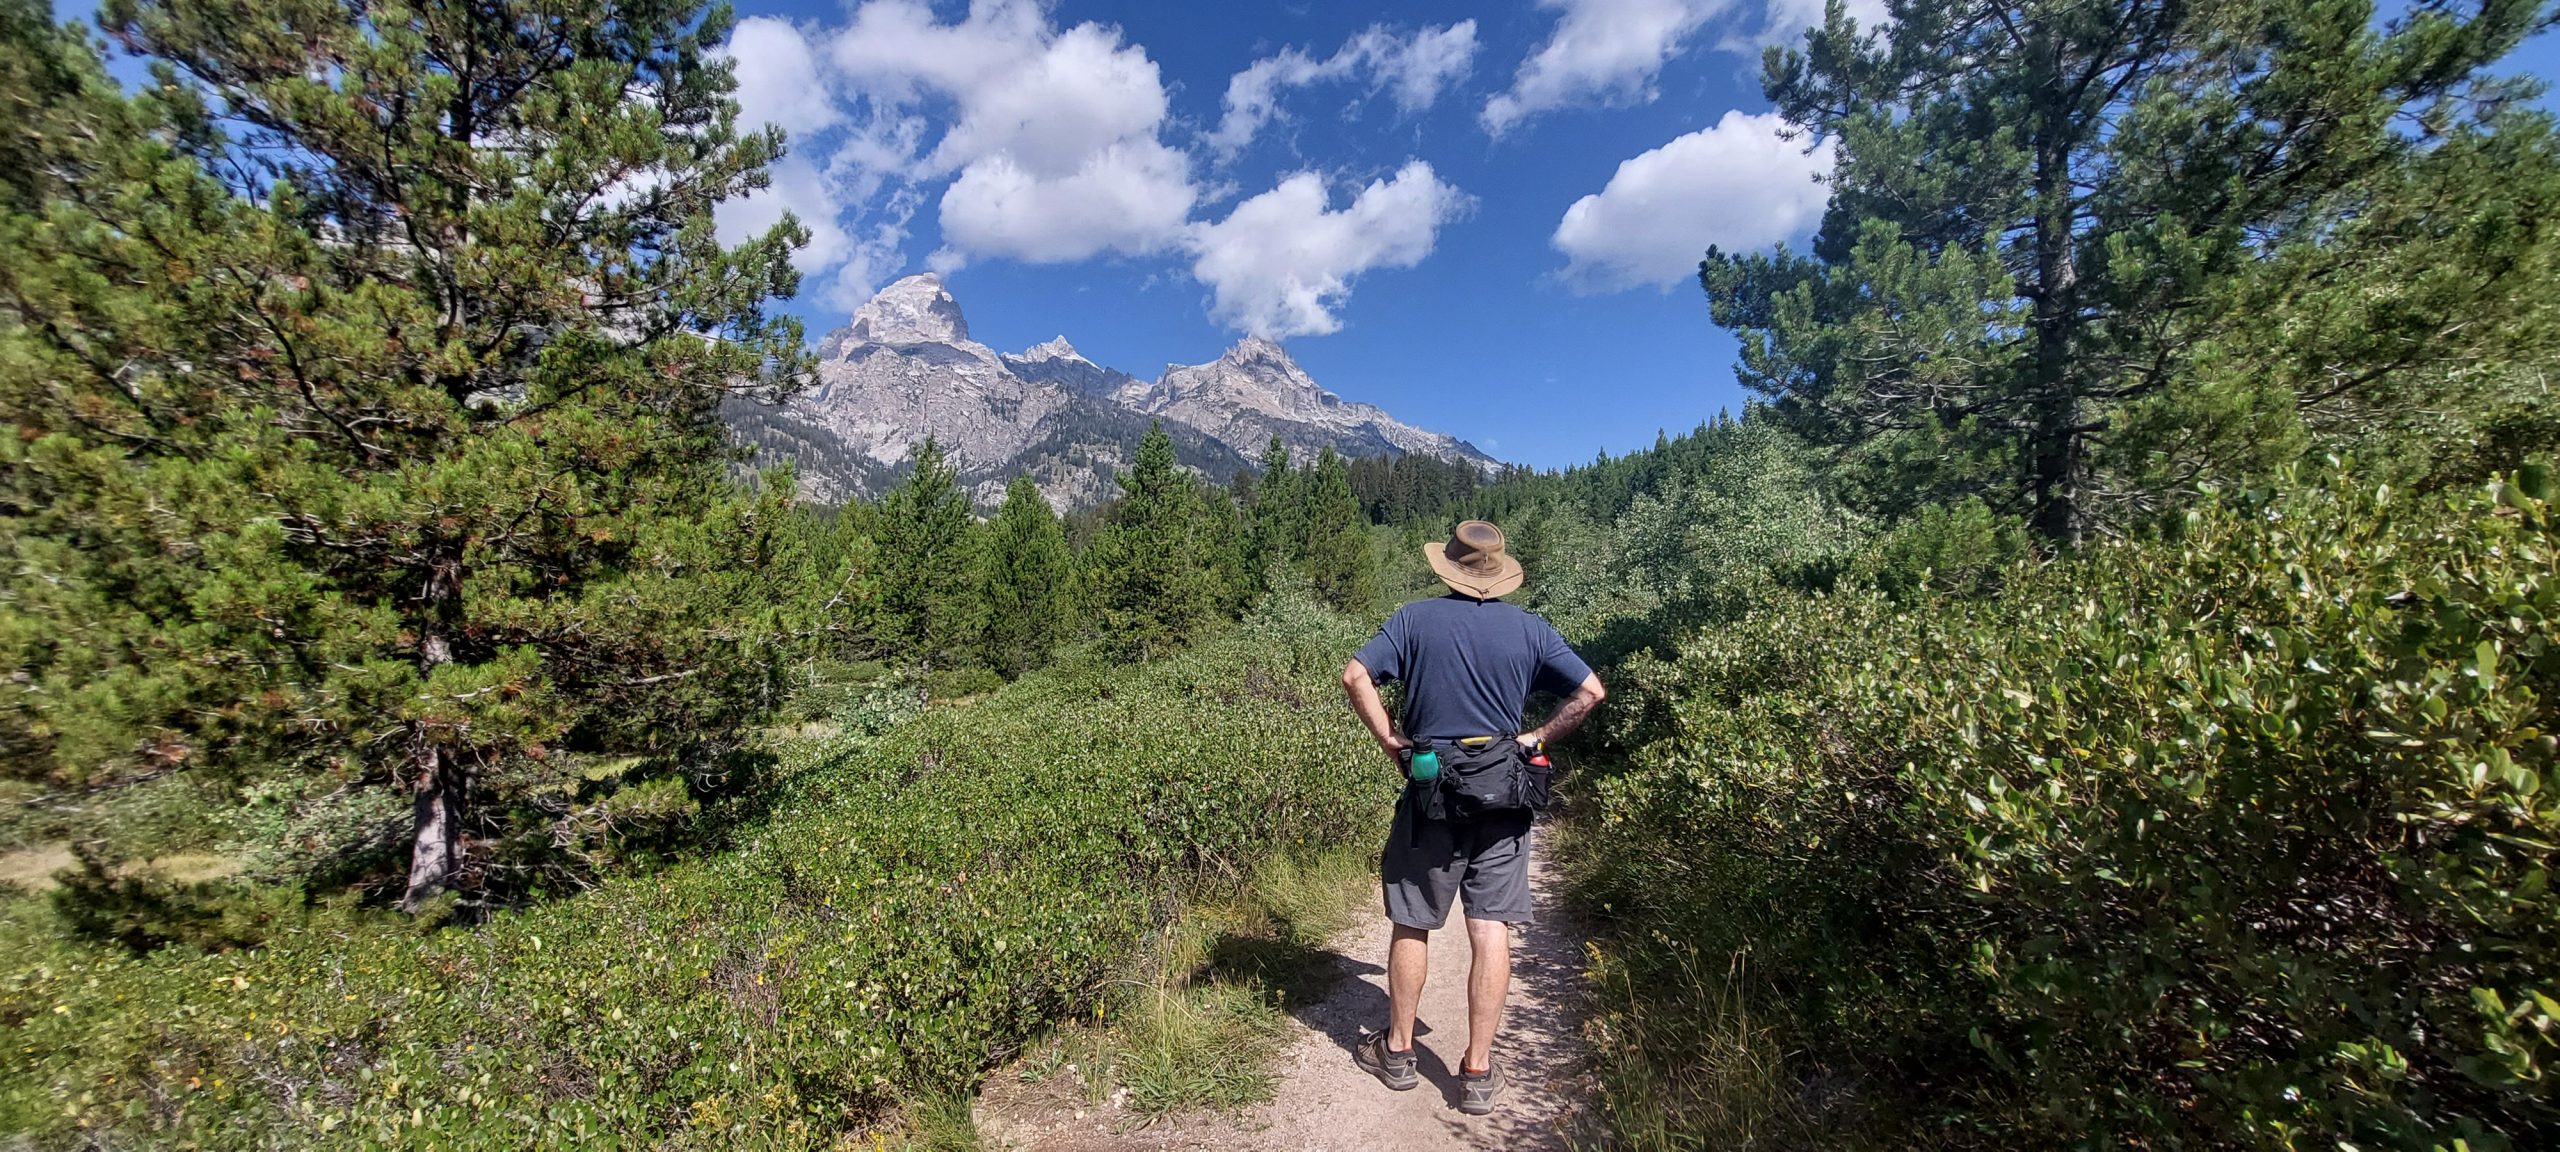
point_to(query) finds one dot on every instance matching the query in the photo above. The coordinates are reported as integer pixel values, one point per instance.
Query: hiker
(1473, 782)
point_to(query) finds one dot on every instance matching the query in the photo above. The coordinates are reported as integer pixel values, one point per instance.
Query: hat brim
(1465, 583)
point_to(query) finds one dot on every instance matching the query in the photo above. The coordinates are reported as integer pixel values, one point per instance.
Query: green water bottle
(1424, 766)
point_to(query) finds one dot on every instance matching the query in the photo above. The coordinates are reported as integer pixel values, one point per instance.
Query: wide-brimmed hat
(1473, 562)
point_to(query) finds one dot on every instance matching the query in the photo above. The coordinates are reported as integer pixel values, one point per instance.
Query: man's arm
(1363, 694)
(1570, 714)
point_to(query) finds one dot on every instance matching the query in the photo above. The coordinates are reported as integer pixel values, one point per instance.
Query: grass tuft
(938, 1123)
(1702, 1069)
(1199, 1028)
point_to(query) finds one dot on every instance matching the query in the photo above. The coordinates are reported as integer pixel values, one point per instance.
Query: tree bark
(435, 849)
(435, 853)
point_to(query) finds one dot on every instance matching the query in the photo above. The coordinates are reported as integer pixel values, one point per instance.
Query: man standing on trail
(1473, 782)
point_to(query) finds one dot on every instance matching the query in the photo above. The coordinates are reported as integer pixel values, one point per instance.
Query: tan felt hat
(1473, 562)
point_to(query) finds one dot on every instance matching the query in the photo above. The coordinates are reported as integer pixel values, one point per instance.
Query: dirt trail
(1325, 1104)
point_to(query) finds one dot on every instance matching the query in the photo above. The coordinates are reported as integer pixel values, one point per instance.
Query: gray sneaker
(1394, 1069)
(1476, 1090)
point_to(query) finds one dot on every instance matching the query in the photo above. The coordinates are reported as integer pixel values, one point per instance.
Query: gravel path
(1325, 1104)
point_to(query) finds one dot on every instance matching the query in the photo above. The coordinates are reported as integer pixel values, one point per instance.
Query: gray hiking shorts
(1486, 860)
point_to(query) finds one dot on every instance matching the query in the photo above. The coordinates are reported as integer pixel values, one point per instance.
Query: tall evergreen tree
(928, 597)
(1025, 574)
(1153, 572)
(1230, 534)
(399, 462)
(1337, 558)
(2048, 215)
(1279, 511)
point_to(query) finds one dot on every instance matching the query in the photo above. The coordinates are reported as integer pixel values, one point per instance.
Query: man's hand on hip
(1395, 747)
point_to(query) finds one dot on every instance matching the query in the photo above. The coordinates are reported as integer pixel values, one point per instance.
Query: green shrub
(304, 829)
(2241, 838)
(914, 907)
(956, 683)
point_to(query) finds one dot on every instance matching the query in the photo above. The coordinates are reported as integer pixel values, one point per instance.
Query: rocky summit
(904, 369)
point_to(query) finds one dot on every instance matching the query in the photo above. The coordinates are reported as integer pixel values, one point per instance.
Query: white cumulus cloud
(1415, 66)
(1608, 50)
(1283, 261)
(1053, 147)
(778, 78)
(1741, 184)
(1133, 196)
(1043, 144)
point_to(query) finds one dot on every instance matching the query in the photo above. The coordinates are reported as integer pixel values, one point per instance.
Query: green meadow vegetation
(924, 901)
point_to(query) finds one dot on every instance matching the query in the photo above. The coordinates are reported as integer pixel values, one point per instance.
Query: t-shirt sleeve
(1560, 668)
(1383, 655)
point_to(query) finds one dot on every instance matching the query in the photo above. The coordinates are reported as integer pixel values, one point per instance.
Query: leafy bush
(957, 683)
(2241, 838)
(915, 907)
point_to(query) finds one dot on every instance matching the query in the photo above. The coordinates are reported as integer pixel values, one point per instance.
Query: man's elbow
(1593, 688)
(1354, 674)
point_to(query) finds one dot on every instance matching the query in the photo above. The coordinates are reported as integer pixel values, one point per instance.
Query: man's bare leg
(1488, 981)
(1408, 965)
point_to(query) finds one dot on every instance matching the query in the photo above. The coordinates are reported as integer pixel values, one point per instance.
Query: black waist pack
(1493, 777)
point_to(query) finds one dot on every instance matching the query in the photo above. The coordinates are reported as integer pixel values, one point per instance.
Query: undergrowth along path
(1323, 1103)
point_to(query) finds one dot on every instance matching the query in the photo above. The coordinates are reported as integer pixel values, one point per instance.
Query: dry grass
(1200, 1024)
(32, 869)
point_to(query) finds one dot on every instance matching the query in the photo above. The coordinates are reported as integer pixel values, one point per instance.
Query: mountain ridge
(904, 368)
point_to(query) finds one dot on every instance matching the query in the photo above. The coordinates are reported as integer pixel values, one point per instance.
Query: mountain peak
(1253, 348)
(915, 310)
(1057, 349)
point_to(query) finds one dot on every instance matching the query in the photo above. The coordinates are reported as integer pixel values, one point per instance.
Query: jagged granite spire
(916, 310)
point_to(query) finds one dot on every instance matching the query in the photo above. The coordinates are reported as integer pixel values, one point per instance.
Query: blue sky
(1483, 217)
(1393, 232)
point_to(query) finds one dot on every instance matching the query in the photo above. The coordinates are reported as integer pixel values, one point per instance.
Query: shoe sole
(1392, 1082)
(1411, 1080)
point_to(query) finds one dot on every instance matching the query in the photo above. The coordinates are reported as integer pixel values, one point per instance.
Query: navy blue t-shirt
(1468, 666)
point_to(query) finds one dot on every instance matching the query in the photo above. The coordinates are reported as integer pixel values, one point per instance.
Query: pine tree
(1025, 573)
(1230, 535)
(928, 603)
(1152, 573)
(1337, 558)
(378, 423)
(2050, 218)
(1279, 511)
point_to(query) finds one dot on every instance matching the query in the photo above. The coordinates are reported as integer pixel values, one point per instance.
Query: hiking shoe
(1393, 1069)
(1476, 1090)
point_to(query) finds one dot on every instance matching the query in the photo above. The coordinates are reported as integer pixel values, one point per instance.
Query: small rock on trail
(1326, 1104)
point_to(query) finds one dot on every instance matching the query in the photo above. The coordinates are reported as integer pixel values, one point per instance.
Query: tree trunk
(435, 851)
(2054, 450)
